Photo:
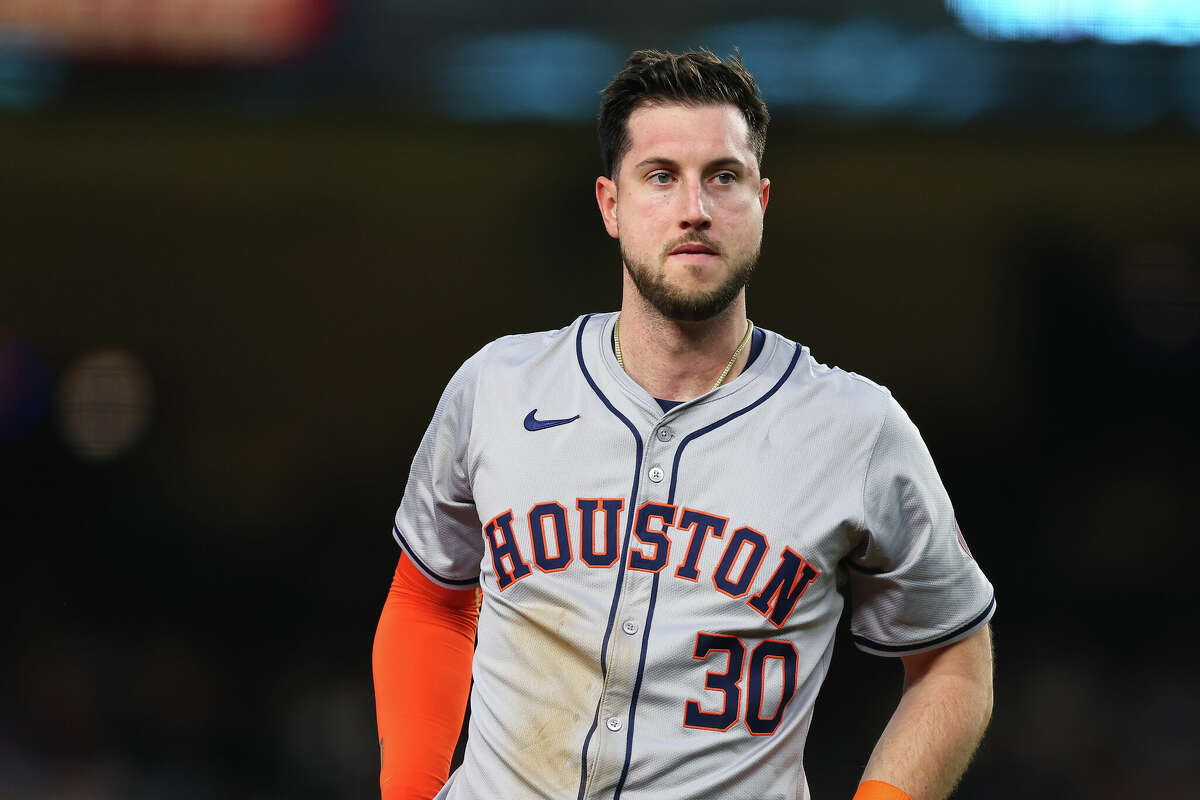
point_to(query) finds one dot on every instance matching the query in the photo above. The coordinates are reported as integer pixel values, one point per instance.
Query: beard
(681, 306)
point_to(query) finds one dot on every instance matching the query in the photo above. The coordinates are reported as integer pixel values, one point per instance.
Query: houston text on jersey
(552, 549)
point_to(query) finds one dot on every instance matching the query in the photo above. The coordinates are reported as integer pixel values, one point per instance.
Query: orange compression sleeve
(422, 667)
(878, 790)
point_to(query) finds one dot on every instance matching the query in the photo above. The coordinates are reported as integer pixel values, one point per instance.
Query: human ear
(606, 198)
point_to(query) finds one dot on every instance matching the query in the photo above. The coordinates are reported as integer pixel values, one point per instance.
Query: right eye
(654, 178)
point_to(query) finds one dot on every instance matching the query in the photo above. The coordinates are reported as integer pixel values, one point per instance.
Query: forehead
(678, 132)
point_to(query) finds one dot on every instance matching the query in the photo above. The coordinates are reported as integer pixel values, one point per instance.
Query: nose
(695, 208)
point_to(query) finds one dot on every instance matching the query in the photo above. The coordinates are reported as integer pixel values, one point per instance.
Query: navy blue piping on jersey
(757, 340)
(787, 373)
(905, 648)
(425, 567)
(637, 688)
(612, 612)
(637, 685)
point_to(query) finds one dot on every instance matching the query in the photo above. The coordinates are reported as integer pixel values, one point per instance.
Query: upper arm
(410, 585)
(437, 524)
(914, 584)
(968, 659)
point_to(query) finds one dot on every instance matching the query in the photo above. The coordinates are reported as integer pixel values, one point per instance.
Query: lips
(697, 249)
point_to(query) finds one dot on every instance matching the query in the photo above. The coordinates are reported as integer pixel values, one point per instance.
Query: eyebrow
(659, 161)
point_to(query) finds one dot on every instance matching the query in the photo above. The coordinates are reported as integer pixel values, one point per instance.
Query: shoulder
(507, 360)
(824, 389)
(516, 350)
(818, 403)
(520, 351)
(871, 423)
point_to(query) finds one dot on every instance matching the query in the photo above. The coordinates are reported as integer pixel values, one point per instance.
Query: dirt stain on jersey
(563, 682)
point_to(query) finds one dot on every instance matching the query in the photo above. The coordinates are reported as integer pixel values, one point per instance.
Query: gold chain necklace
(724, 373)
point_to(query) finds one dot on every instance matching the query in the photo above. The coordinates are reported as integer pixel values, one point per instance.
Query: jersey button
(629, 626)
(665, 434)
(656, 474)
(613, 723)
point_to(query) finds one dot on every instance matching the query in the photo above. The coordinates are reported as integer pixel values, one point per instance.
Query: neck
(675, 360)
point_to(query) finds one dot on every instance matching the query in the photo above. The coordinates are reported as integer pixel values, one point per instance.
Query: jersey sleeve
(914, 584)
(437, 525)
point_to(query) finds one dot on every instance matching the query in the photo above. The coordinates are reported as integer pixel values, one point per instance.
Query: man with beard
(645, 518)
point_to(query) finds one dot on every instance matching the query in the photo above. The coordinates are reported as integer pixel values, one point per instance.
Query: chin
(702, 293)
(689, 292)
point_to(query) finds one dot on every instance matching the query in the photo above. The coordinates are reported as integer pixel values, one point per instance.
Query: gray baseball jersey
(661, 590)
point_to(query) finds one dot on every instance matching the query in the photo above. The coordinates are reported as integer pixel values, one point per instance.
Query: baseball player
(641, 521)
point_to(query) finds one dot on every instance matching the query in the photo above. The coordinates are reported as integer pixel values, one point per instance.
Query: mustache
(697, 237)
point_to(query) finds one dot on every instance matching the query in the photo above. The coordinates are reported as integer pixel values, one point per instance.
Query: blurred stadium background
(244, 243)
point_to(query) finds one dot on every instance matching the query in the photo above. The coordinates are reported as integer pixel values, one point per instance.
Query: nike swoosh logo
(532, 423)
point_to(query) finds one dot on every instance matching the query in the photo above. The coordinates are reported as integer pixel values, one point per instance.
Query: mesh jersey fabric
(591, 658)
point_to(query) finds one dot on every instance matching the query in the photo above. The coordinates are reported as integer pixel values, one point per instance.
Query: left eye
(725, 178)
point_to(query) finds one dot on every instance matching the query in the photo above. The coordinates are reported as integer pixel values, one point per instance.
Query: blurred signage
(223, 31)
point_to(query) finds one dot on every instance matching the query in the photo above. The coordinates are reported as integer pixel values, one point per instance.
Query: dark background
(281, 264)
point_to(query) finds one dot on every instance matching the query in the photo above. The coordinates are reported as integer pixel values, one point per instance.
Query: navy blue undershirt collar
(757, 340)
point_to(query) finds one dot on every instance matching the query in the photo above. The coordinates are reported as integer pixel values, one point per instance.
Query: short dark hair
(697, 78)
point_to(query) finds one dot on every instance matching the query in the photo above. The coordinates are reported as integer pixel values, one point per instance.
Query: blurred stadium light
(1172, 22)
(105, 400)
(798, 63)
(534, 59)
(547, 75)
(864, 66)
(216, 31)
(28, 79)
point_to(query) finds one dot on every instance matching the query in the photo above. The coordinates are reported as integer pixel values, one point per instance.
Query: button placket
(624, 649)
